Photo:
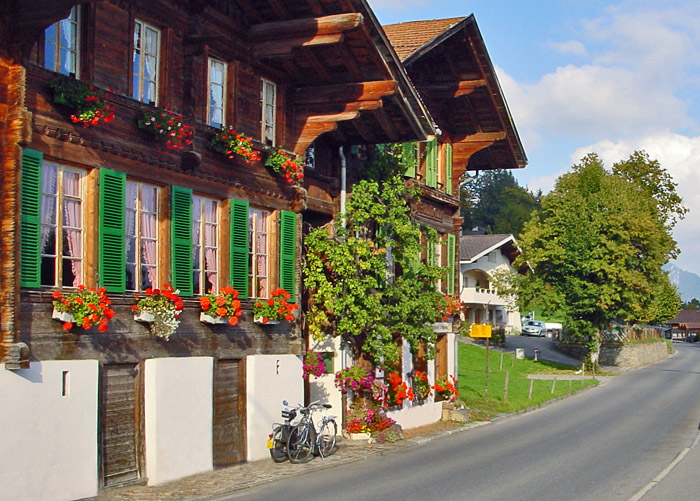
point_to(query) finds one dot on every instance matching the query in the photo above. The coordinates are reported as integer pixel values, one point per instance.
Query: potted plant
(82, 99)
(286, 165)
(421, 387)
(84, 308)
(167, 128)
(313, 365)
(231, 143)
(275, 309)
(160, 309)
(398, 390)
(221, 307)
(446, 388)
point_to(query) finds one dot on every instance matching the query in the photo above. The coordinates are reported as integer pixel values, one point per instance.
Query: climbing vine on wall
(366, 282)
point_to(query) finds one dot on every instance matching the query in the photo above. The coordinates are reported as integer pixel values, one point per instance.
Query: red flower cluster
(277, 307)
(93, 111)
(230, 143)
(451, 306)
(398, 390)
(284, 165)
(446, 388)
(157, 297)
(88, 306)
(168, 128)
(223, 304)
(88, 109)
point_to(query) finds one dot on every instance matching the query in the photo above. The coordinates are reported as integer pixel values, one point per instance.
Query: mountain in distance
(687, 283)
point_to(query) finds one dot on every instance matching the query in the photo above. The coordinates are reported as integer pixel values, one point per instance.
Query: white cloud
(571, 47)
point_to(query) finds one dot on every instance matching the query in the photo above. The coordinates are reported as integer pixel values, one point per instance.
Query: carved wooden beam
(282, 48)
(463, 149)
(343, 93)
(463, 88)
(304, 28)
(386, 125)
(313, 126)
(308, 110)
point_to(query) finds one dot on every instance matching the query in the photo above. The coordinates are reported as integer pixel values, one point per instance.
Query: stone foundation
(632, 355)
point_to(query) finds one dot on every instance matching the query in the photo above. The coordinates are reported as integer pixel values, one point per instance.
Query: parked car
(534, 328)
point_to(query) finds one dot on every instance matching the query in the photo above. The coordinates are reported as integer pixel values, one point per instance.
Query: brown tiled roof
(687, 317)
(472, 246)
(409, 37)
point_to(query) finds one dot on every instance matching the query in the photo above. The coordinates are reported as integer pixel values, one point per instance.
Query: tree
(495, 202)
(366, 283)
(598, 243)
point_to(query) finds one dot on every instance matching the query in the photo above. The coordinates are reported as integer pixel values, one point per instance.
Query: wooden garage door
(229, 412)
(120, 409)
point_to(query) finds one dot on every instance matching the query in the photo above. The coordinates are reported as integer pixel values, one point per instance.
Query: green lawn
(472, 382)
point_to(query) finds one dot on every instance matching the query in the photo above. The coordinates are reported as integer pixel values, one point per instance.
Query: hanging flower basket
(208, 319)
(83, 308)
(167, 128)
(82, 100)
(221, 307)
(164, 305)
(144, 316)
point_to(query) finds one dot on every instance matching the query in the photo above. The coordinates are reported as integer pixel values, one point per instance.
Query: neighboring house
(480, 257)
(106, 206)
(685, 326)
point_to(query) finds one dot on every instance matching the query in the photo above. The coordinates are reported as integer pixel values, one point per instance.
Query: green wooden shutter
(448, 169)
(430, 254)
(181, 235)
(30, 219)
(239, 247)
(112, 265)
(288, 232)
(450, 264)
(409, 155)
(431, 148)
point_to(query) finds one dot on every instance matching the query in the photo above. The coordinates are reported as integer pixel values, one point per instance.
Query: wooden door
(441, 356)
(120, 424)
(229, 412)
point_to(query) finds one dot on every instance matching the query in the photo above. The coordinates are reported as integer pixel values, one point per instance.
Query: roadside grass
(483, 405)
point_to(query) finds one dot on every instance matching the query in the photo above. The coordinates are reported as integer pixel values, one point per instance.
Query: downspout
(343, 185)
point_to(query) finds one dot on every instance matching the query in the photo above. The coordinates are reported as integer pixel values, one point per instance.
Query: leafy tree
(495, 202)
(365, 282)
(598, 243)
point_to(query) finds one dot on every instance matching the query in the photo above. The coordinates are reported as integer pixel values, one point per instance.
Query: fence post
(554, 383)
(529, 393)
(505, 390)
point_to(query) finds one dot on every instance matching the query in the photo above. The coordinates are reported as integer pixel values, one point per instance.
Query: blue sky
(598, 76)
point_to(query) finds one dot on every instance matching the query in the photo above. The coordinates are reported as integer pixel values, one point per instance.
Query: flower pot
(208, 319)
(144, 316)
(63, 316)
(359, 436)
(259, 320)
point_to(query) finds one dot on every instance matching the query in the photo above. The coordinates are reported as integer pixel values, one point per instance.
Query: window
(146, 58)
(492, 257)
(269, 112)
(438, 261)
(258, 252)
(61, 225)
(141, 230)
(205, 238)
(217, 92)
(61, 45)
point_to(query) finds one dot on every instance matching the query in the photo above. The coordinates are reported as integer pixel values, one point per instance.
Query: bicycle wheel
(326, 439)
(299, 445)
(278, 451)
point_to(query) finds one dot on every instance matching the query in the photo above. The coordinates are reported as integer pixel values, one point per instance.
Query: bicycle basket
(289, 414)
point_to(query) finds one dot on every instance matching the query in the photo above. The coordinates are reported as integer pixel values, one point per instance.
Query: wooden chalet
(108, 206)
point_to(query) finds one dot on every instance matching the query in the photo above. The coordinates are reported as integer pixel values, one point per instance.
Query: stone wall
(631, 355)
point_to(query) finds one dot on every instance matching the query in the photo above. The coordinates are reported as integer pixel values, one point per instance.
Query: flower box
(359, 436)
(259, 320)
(63, 316)
(144, 316)
(208, 319)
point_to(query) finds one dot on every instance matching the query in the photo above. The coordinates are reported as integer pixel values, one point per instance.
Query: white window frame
(268, 100)
(254, 273)
(58, 224)
(219, 87)
(139, 81)
(199, 221)
(65, 28)
(438, 261)
(139, 238)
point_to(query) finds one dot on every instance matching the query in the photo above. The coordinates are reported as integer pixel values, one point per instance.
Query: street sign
(478, 330)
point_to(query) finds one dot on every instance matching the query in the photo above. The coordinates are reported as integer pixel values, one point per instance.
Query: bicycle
(304, 439)
(277, 441)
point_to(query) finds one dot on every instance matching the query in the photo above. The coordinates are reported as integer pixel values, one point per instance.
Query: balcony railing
(483, 296)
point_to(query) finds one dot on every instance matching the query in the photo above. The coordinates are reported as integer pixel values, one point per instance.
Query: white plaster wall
(419, 415)
(270, 379)
(49, 444)
(323, 388)
(178, 413)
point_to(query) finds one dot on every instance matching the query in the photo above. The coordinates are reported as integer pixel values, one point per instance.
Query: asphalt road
(607, 443)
